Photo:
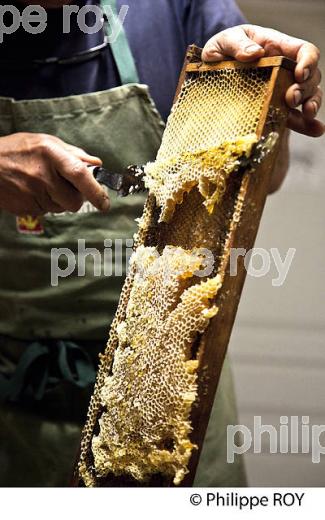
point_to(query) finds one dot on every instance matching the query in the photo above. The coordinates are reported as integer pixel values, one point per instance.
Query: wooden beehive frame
(212, 345)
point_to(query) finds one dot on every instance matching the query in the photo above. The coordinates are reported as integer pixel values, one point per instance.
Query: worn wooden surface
(275, 61)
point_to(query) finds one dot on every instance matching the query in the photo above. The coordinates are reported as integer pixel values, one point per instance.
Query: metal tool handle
(126, 183)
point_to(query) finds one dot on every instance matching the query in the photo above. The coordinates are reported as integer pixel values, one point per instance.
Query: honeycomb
(139, 419)
(213, 108)
(207, 169)
(148, 396)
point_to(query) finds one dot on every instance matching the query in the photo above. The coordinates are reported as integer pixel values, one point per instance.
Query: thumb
(232, 43)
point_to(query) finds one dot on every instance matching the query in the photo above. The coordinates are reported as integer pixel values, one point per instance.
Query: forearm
(39, 173)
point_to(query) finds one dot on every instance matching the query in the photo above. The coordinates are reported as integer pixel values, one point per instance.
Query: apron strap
(120, 48)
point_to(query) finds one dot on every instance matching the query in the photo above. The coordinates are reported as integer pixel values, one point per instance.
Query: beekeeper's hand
(40, 173)
(250, 42)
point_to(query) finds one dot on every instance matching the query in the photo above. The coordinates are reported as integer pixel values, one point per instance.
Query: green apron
(122, 127)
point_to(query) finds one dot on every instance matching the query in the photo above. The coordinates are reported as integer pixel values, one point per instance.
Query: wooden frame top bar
(275, 61)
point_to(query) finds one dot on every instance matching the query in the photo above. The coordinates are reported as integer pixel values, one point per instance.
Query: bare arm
(40, 173)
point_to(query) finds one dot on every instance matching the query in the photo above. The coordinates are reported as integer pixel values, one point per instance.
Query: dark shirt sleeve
(204, 18)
